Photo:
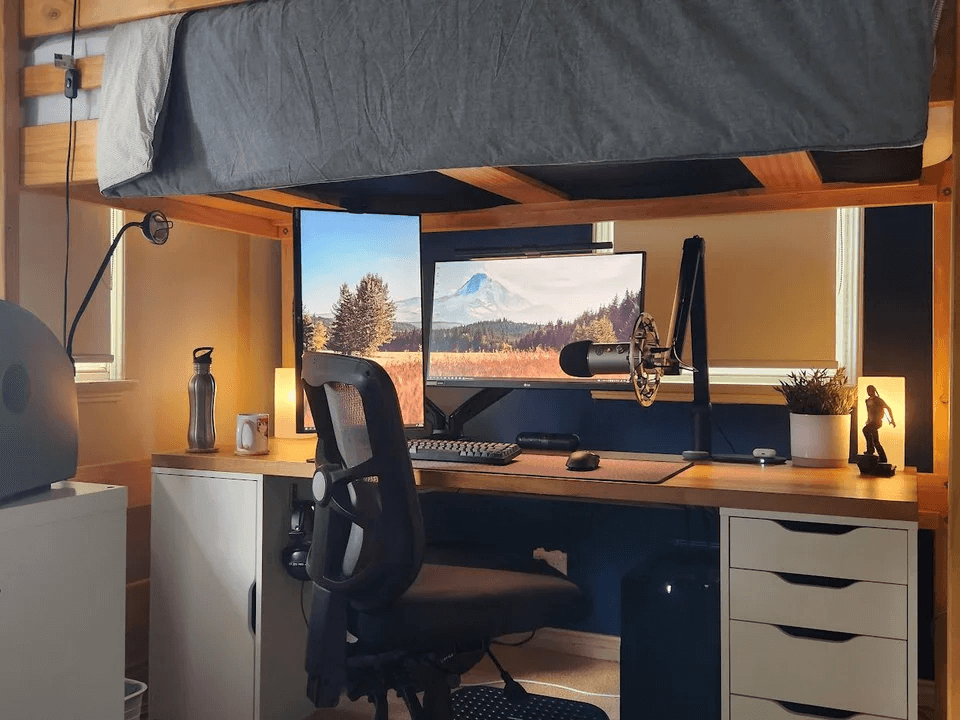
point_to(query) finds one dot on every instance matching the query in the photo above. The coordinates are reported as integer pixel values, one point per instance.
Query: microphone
(587, 358)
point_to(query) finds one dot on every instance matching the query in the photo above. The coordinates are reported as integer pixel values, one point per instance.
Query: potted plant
(820, 405)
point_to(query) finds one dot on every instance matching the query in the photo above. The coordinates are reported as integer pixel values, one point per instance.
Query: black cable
(720, 430)
(95, 284)
(66, 192)
(516, 644)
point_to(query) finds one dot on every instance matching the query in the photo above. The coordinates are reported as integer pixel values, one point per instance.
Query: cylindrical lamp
(285, 403)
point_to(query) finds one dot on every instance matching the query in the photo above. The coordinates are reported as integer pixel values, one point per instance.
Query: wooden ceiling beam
(506, 182)
(287, 199)
(785, 171)
(185, 209)
(737, 201)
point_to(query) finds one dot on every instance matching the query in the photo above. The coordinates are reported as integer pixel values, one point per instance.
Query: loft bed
(902, 163)
(500, 194)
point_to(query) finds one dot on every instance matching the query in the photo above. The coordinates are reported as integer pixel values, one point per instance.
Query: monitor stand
(450, 427)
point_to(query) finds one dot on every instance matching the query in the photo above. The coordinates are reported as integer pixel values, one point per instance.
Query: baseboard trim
(572, 642)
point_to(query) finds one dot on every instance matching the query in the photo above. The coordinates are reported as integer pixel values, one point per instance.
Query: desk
(777, 488)
(225, 515)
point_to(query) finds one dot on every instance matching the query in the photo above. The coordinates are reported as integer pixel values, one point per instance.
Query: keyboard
(488, 453)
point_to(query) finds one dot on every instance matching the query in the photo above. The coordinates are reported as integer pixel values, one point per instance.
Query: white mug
(252, 434)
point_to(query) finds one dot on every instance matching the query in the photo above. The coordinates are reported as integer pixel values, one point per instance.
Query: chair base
(489, 703)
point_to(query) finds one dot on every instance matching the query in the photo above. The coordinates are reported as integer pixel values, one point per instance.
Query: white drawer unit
(751, 708)
(819, 617)
(847, 606)
(857, 673)
(838, 550)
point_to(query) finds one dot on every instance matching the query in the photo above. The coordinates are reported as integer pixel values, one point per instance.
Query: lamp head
(156, 227)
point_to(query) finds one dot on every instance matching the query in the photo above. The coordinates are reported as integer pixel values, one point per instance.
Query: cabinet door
(203, 568)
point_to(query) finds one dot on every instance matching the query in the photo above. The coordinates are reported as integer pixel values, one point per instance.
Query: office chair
(413, 627)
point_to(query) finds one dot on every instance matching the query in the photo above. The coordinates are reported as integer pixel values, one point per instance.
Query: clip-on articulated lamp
(155, 228)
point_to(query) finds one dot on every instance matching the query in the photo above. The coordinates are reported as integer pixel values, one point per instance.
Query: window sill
(103, 391)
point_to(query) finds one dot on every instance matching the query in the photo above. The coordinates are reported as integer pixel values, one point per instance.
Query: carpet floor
(530, 666)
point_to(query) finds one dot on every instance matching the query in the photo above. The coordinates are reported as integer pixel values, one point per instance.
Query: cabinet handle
(814, 580)
(252, 605)
(811, 634)
(814, 710)
(815, 527)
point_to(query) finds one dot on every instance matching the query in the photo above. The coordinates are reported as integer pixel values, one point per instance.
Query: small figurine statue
(877, 411)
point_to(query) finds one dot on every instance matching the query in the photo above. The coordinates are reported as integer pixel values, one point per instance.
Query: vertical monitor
(357, 291)
(502, 322)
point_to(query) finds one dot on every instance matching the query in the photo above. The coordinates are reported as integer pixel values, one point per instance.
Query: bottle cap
(202, 355)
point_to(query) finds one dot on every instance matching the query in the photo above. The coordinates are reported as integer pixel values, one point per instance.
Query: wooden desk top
(780, 488)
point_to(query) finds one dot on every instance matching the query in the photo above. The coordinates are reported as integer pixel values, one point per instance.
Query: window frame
(87, 372)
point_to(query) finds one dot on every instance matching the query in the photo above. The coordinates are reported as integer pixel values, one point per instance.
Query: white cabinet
(227, 639)
(62, 597)
(818, 616)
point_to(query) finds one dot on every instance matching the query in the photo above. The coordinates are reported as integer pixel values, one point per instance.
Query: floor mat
(487, 703)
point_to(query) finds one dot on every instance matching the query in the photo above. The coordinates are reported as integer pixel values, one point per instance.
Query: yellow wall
(203, 287)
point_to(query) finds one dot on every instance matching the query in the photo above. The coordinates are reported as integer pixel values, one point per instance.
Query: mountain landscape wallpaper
(509, 317)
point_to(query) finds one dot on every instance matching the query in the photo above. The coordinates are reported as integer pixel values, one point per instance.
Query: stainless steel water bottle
(202, 435)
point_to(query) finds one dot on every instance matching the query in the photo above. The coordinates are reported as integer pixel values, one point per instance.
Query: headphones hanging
(294, 555)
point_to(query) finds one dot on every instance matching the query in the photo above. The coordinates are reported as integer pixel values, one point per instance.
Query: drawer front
(749, 708)
(861, 674)
(858, 553)
(861, 608)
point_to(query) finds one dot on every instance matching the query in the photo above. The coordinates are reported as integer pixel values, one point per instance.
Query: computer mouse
(583, 460)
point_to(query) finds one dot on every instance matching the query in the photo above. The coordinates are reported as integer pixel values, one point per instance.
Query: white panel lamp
(285, 402)
(881, 405)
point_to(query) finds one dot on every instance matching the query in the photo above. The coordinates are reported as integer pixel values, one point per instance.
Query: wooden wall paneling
(49, 17)
(138, 622)
(138, 543)
(48, 79)
(738, 201)
(943, 78)
(44, 153)
(134, 475)
(10, 142)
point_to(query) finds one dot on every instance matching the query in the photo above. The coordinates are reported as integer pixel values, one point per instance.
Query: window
(783, 289)
(109, 367)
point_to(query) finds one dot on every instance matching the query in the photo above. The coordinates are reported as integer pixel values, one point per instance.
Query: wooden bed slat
(235, 204)
(44, 154)
(507, 183)
(788, 171)
(48, 79)
(738, 201)
(50, 17)
(287, 199)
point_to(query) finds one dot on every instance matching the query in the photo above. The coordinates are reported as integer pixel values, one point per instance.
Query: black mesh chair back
(368, 532)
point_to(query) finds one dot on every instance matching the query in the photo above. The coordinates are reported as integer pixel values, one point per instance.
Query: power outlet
(557, 559)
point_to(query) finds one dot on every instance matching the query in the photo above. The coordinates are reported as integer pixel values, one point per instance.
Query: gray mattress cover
(281, 93)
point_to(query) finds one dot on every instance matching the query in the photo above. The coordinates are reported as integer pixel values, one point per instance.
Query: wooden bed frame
(35, 157)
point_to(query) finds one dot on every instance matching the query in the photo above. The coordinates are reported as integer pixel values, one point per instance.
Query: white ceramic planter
(820, 440)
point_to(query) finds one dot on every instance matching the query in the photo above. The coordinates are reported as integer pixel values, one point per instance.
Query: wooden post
(952, 690)
(10, 143)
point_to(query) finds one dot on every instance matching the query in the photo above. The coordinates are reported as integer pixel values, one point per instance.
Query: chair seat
(451, 605)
